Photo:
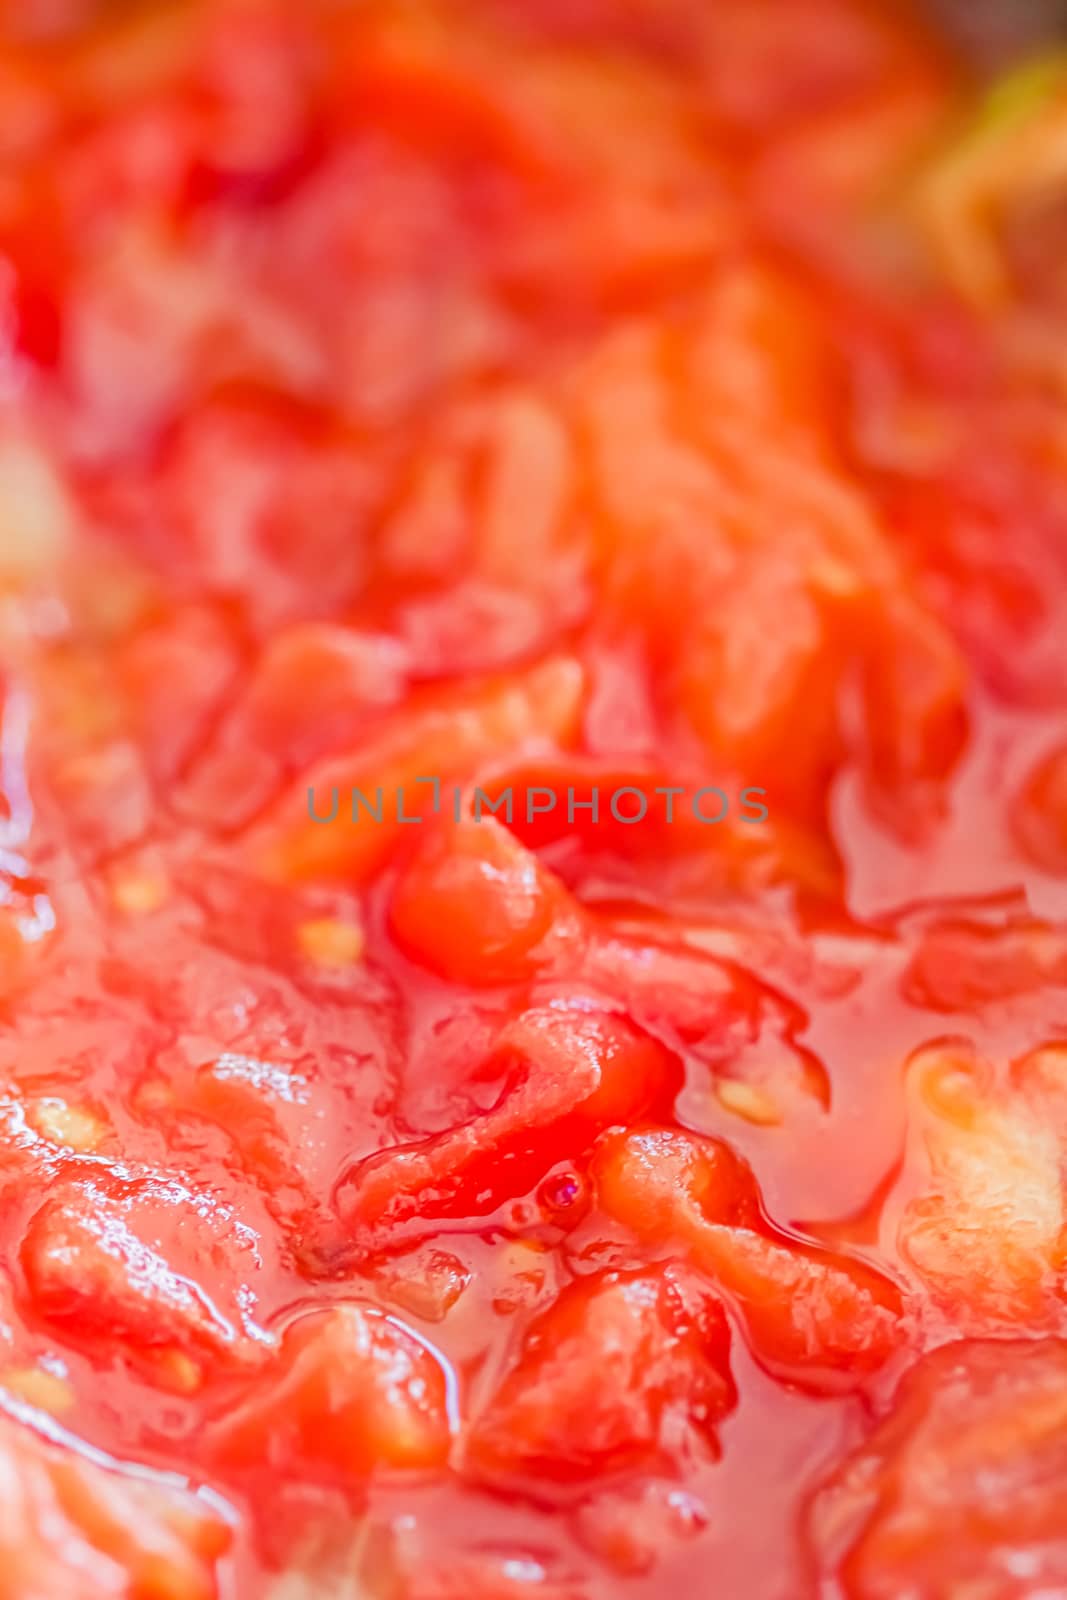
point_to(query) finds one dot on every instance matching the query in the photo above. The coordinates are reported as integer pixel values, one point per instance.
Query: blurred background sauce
(992, 29)
(989, 30)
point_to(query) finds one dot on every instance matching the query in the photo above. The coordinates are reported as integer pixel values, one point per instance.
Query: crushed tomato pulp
(535, 396)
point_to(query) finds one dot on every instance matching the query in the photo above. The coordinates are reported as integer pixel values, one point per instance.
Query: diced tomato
(608, 217)
(90, 773)
(290, 1075)
(424, 1283)
(739, 1028)
(917, 691)
(1040, 814)
(253, 96)
(565, 1074)
(1041, 1074)
(839, 1315)
(600, 1375)
(492, 496)
(659, 1177)
(694, 837)
(961, 1484)
(139, 158)
(450, 735)
(758, 73)
(747, 646)
(478, 908)
(806, 1311)
(262, 489)
(352, 1392)
(984, 1232)
(961, 967)
(316, 688)
(982, 516)
(103, 1263)
(122, 1533)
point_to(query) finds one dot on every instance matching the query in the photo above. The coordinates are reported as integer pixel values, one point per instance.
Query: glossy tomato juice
(533, 802)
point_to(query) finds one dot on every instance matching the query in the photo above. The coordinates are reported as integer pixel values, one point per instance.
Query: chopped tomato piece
(740, 1028)
(478, 908)
(985, 1230)
(425, 1283)
(352, 1391)
(805, 1310)
(600, 1375)
(315, 688)
(961, 966)
(565, 1074)
(343, 821)
(960, 1486)
(1041, 817)
(123, 1534)
(103, 1263)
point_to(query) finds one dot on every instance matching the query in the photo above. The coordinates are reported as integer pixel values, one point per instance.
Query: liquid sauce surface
(545, 398)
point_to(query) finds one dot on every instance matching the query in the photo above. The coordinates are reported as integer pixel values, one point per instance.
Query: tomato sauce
(533, 803)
